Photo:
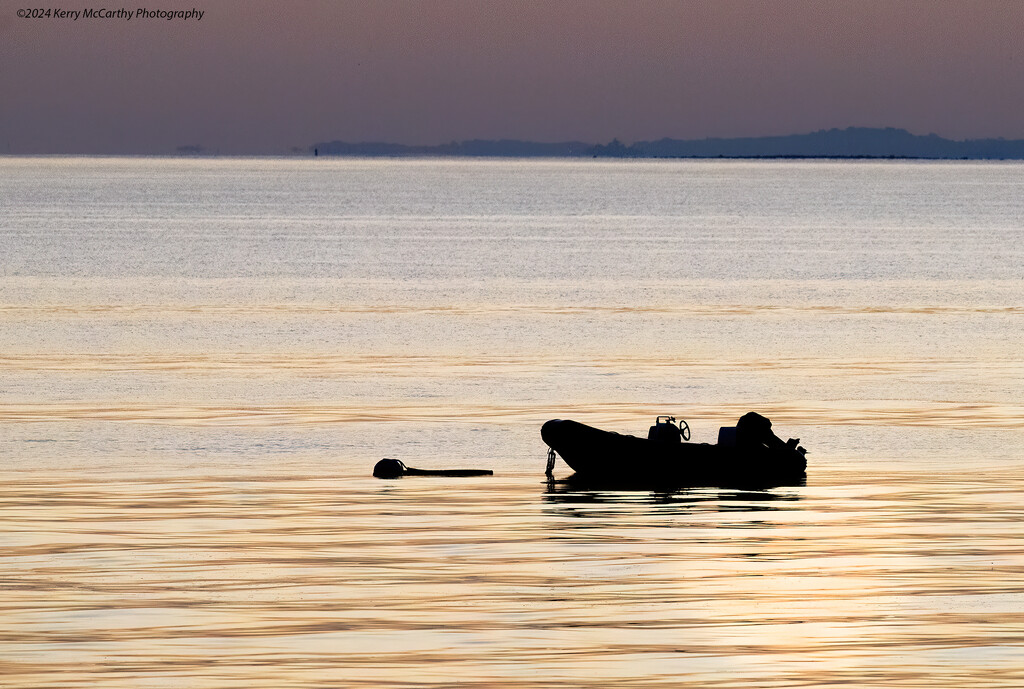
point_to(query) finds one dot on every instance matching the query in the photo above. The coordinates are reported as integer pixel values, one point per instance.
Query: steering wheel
(684, 429)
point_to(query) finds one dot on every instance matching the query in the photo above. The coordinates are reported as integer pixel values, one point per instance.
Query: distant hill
(501, 148)
(852, 142)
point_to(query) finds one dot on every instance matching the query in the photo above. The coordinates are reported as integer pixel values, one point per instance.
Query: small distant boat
(746, 454)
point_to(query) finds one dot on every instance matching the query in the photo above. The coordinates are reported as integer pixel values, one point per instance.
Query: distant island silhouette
(852, 142)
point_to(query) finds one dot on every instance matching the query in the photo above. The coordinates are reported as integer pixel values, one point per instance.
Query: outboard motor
(665, 432)
(754, 430)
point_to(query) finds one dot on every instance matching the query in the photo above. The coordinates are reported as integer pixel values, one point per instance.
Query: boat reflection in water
(583, 491)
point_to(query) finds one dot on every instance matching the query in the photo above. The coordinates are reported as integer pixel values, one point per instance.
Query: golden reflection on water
(442, 363)
(882, 413)
(194, 386)
(901, 579)
(176, 310)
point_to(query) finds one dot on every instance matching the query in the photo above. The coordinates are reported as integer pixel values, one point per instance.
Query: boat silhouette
(746, 454)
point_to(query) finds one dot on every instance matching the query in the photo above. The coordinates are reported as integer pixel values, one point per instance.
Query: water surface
(200, 361)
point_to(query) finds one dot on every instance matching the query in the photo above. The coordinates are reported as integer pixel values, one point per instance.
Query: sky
(259, 77)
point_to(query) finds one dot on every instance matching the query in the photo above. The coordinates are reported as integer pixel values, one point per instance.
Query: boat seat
(664, 434)
(727, 436)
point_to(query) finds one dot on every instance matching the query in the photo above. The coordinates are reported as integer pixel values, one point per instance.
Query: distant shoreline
(852, 143)
(296, 156)
(410, 157)
(849, 143)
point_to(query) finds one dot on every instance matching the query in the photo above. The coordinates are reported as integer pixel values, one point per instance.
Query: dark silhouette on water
(747, 455)
(395, 468)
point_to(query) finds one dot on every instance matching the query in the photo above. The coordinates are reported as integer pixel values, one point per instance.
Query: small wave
(884, 413)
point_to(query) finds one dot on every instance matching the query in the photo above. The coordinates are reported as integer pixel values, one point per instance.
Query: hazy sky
(261, 77)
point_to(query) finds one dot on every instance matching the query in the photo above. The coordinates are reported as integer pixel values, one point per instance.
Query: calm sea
(201, 360)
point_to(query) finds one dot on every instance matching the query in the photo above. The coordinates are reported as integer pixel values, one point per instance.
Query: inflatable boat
(746, 454)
